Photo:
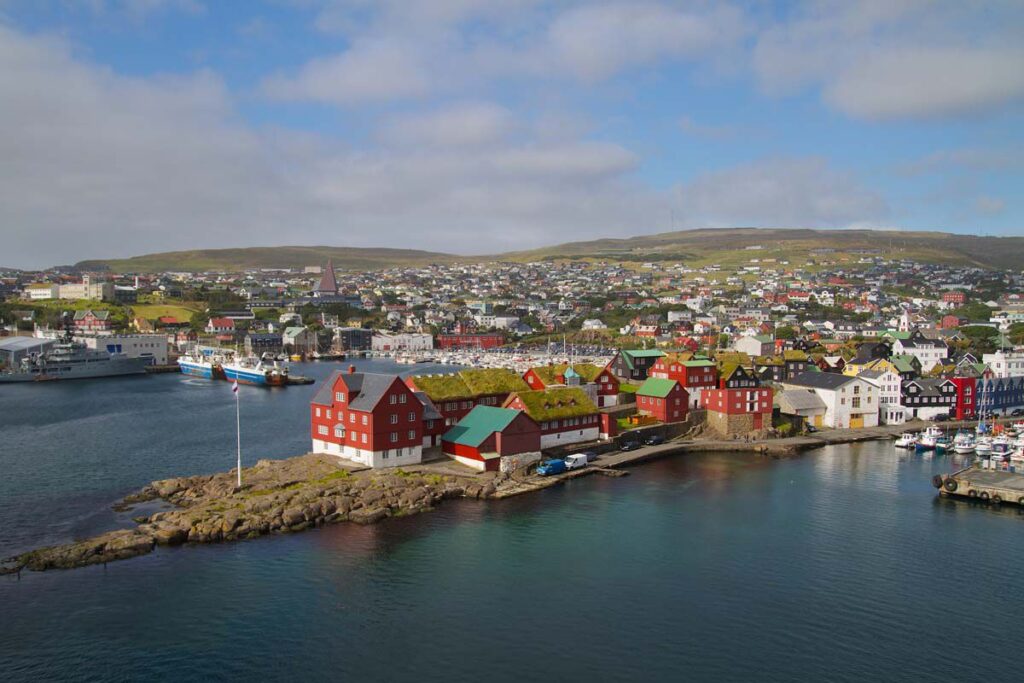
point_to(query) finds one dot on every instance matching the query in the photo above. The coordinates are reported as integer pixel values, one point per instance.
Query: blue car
(549, 467)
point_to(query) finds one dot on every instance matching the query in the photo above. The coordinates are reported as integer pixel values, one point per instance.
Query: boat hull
(261, 378)
(118, 367)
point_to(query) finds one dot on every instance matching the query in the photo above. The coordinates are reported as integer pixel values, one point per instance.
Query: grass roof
(549, 374)
(557, 403)
(470, 383)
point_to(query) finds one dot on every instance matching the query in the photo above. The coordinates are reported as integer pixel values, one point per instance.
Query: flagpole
(238, 431)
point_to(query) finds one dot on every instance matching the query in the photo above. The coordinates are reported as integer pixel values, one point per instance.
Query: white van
(576, 461)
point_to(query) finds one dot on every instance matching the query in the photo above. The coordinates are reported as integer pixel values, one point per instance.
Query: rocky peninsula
(277, 496)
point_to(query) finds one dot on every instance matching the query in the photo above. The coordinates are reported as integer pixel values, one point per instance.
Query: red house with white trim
(664, 399)
(694, 374)
(740, 405)
(370, 418)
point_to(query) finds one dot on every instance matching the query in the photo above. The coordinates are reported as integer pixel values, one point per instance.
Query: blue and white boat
(253, 371)
(199, 365)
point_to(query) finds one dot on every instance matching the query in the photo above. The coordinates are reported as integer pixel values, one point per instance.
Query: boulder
(368, 516)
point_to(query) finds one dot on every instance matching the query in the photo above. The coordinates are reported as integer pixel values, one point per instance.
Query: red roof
(222, 322)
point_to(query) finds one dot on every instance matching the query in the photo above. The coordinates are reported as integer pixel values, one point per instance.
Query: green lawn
(182, 311)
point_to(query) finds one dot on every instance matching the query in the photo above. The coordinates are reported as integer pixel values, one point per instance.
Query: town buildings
(740, 405)
(664, 399)
(850, 402)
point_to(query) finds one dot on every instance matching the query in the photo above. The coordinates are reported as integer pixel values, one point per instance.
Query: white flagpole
(238, 430)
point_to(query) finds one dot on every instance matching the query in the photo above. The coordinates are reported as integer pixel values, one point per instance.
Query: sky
(478, 126)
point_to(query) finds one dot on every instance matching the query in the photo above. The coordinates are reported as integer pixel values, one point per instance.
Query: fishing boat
(906, 440)
(199, 365)
(943, 444)
(983, 446)
(927, 439)
(253, 371)
(963, 442)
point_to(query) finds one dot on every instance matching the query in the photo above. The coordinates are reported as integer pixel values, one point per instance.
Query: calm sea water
(840, 565)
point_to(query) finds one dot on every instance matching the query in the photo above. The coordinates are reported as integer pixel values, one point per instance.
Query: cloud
(461, 124)
(370, 71)
(101, 165)
(910, 59)
(989, 206)
(1007, 158)
(595, 42)
(779, 193)
(928, 82)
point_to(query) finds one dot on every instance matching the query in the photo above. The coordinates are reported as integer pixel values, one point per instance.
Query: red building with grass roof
(565, 415)
(606, 384)
(664, 399)
(455, 394)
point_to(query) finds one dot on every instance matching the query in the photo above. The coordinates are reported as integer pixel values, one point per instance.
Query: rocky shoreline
(278, 496)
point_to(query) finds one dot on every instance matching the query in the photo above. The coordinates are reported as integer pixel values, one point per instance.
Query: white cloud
(901, 83)
(902, 59)
(100, 165)
(804, 192)
(594, 42)
(369, 71)
(466, 123)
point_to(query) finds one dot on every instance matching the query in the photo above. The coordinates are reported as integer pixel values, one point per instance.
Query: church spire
(328, 284)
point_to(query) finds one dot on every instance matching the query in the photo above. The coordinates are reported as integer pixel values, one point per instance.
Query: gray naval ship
(69, 359)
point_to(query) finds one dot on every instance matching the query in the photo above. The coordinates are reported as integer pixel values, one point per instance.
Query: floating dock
(989, 486)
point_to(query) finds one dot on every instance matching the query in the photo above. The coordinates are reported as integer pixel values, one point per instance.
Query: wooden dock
(983, 485)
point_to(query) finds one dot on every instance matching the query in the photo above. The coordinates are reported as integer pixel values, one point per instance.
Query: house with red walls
(455, 394)
(600, 382)
(663, 399)
(373, 419)
(740, 405)
(487, 435)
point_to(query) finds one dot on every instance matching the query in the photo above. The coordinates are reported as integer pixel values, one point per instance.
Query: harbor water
(841, 564)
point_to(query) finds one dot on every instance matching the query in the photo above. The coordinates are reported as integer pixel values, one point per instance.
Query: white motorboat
(906, 440)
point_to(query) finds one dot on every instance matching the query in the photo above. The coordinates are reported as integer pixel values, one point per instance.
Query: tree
(975, 311)
(785, 332)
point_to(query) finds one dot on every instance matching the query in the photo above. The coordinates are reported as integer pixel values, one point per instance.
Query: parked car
(591, 455)
(810, 429)
(629, 445)
(941, 417)
(575, 461)
(654, 440)
(1017, 412)
(549, 467)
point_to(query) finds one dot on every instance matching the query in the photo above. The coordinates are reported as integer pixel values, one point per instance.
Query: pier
(983, 485)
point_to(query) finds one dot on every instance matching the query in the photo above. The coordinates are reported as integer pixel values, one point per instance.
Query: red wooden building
(455, 394)
(694, 374)
(469, 341)
(740, 404)
(92, 321)
(664, 399)
(565, 415)
(488, 434)
(373, 419)
(605, 383)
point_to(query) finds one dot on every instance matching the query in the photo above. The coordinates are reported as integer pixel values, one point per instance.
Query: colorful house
(693, 373)
(455, 394)
(488, 434)
(740, 405)
(664, 399)
(92, 321)
(565, 415)
(634, 365)
(605, 383)
(373, 419)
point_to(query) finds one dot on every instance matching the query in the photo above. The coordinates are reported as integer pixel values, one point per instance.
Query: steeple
(328, 284)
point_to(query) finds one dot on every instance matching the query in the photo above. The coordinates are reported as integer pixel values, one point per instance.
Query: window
(365, 420)
(322, 430)
(393, 399)
(856, 389)
(318, 411)
(394, 437)
(856, 401)
(364, 438)
(352, 418)
(412, 416)
(328, 413)
(339, 397)
(401, 398)
(339, 431)
(412, 433)
(394, 419)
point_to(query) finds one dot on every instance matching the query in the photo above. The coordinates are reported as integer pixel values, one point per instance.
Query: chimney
(351, 369)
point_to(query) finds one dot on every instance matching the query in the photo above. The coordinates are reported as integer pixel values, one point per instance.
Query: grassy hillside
(727, 246)
(267, 257)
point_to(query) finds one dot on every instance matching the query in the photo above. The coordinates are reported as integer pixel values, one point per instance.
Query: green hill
(725, 246)
(733, 246)
(267, 257)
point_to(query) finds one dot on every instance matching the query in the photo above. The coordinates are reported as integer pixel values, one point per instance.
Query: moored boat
(253, 371)
(905, 440)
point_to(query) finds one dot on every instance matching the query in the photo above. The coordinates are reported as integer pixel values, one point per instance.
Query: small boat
(963, 442)
(943, 444)
(296, 358)
(928, 438)
(253, 371)
(906, 440)
(983, 447)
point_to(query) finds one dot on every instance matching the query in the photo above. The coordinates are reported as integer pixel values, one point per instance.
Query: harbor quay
(312, 490)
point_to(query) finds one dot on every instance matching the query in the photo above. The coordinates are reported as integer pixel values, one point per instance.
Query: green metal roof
(479, 424)
(656, 386)
(698, 363)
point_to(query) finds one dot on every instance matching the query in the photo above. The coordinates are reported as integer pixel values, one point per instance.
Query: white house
(1005, 363)
(930, 352)
(755, 345)
(850, 402)
(890, 409)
